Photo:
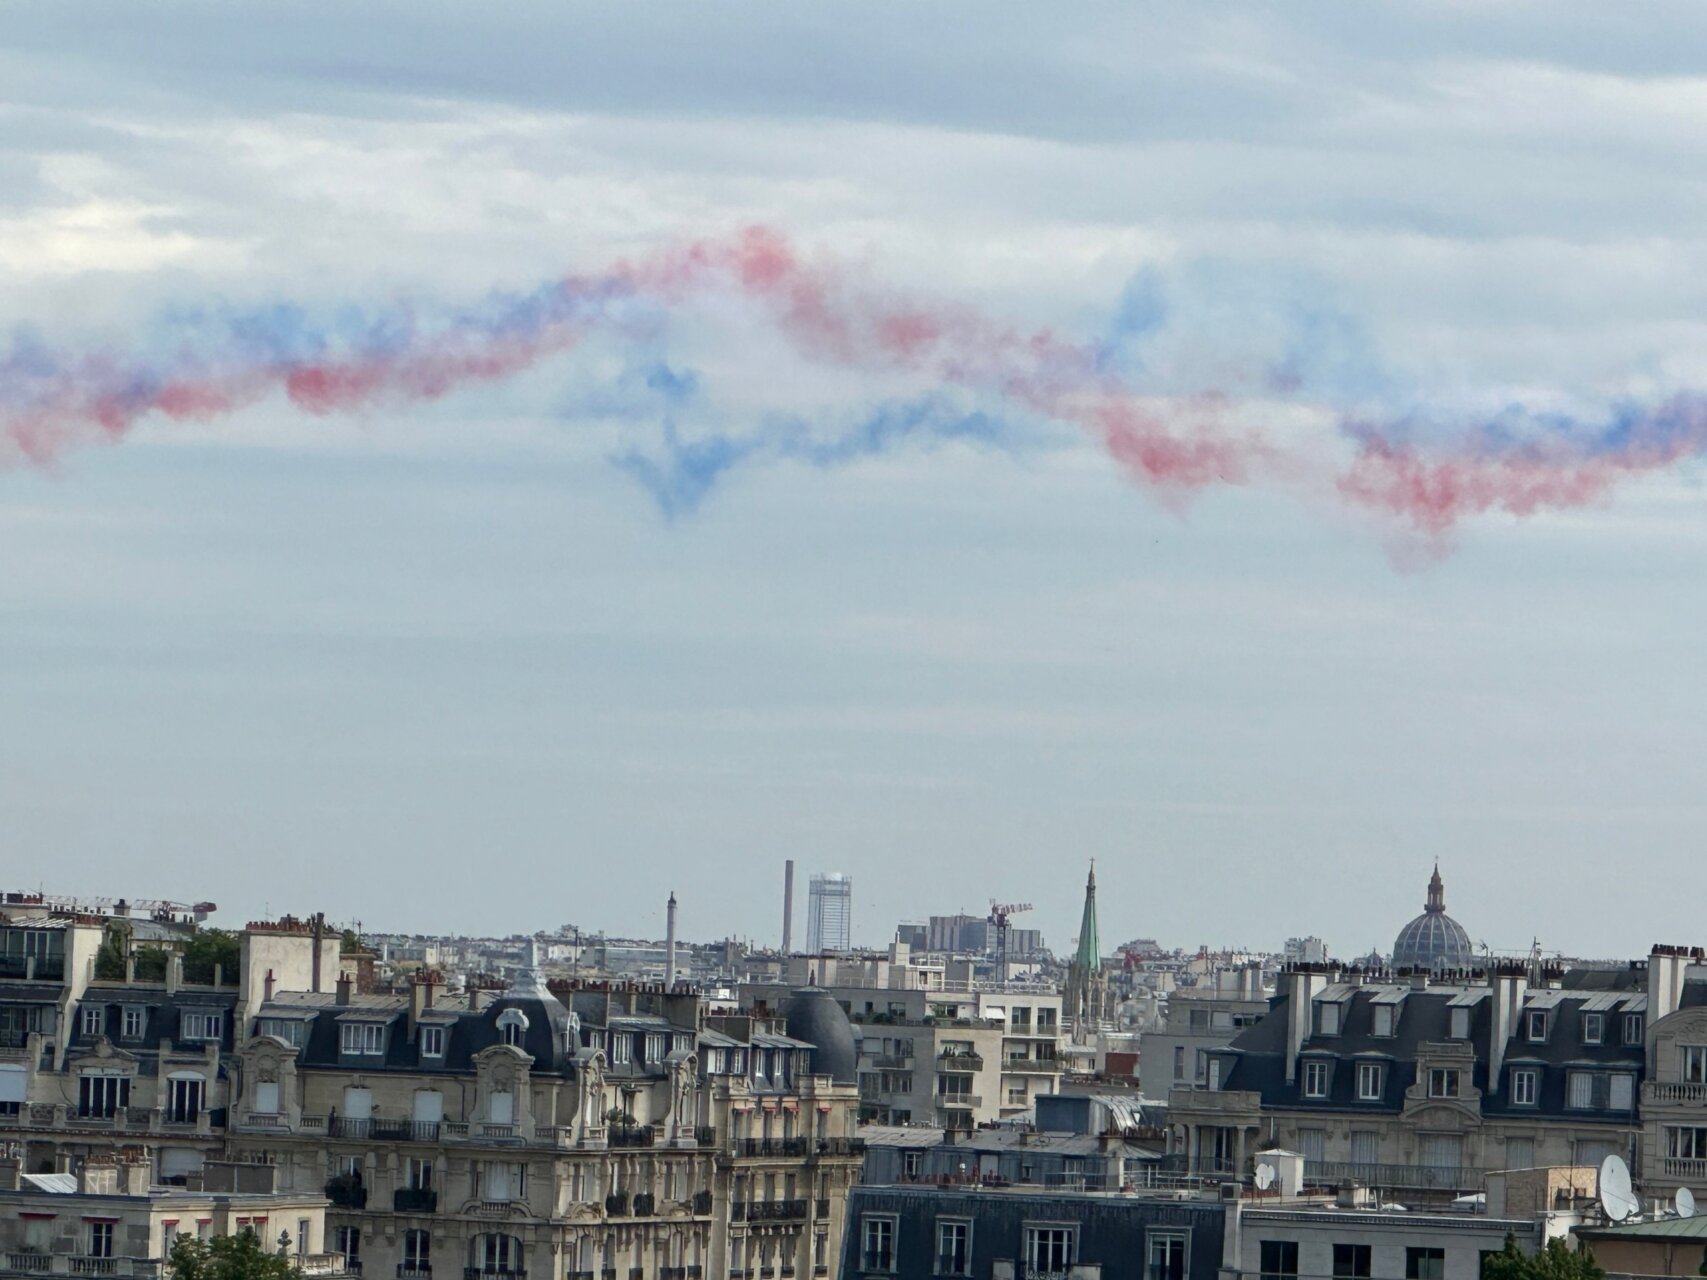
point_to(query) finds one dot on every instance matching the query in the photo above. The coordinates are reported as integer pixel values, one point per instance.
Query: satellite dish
(1617, 1200)
(1684, 1202)
(1265, 1177)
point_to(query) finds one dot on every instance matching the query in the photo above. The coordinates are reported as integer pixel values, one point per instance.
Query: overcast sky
(474, 666)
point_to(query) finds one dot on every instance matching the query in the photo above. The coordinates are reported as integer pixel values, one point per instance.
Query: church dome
(1434, 940)
(813, 1015)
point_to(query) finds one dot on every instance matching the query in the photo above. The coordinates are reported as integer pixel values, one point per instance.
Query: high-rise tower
(829, 914)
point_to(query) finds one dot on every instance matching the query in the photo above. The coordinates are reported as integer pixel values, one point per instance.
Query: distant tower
(829, 914)
(1087, 985)
(788, 907)
(670, 941)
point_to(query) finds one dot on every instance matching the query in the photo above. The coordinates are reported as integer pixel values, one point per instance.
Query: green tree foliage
(1558, 1261)
(238, 1257)
(350, 944)
(210, 947)
(109, 958)
(150, 964)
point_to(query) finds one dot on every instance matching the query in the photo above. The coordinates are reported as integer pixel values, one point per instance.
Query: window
(654, 1049)
(620, 1047)
(184, 1098)
(1590, 1090)
(362, 1039)
(1021, 1021)
(1633, 1027)
(1315, 1079)
(1202, 1066)
(879, 1251)
(912, 1163)
(1179, 1062)
(301, 1237)
(1537, 1025)
(1443, 1082)
(1312, 1143)
(1351, 1261)
(417, 1251)
(1425, 1264)
(266, 1097)
(100, 1239)
(1686, 1143)
(1520, 1153)
(1459, 1030)
(1383, 1020)
(293, 1031)
(1622, 1092)
(1328, 1018)
(135, 1019)
(1048, 1250)
(504, 1180)
(1525, 1086)
(1594, 1028)
(200, 1024)
(1370, 1078)
(1164, 1255)
(349, 1243)
(1692, 1063)
(418, 1173)
(102, 1096)
(432, 1042)
(94, 1020)
(953, 1258)
(1365, 1147)
(1279, 1258)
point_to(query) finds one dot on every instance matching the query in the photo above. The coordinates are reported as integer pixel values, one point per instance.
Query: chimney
(267, 986)
(670, 942)
(788, 907)
(314, 962)
(1303, 984)
(1511, 986)
(345, 988)
(421, 990)
(1666, 969)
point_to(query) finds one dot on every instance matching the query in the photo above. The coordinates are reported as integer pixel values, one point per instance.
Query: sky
(474, 468)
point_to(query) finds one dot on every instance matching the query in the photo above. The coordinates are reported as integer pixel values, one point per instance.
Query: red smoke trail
(831, 314)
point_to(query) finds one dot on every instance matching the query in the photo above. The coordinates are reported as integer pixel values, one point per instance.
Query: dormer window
(1633, 1028)
(1315, 1079)
(1460, 1029)
(513, 1027)
(362, 1039)
(1537, 1026)
(1443, 1082)
(1328, 1018)
(432, 1042)
(200, 1024)
(654, 1050)
(1383, 1020)
(135, 1019)
(621, 1047)
(94, 1020)
(1593, 1028)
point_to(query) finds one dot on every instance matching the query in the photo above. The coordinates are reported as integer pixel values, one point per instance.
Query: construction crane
(999, 913)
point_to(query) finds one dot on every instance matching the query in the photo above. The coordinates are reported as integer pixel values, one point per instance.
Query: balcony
(414, 1271)
(1398, 1177)
(62, 1264)
(969, 1101)
(821, 1209)
(414, 1200)
(960, 1062)
(39, 968)
(768, 1210)
(631, 1136)
(1684, 1170)
(476, 1273)
(705, 1136)
(346, 1192)
(93, 1266)
(645, 1205)
(893, 1062)
(772, 1147)
(1033, 1066)
(840, 1147)
(1673, 1093)
(702, 1203)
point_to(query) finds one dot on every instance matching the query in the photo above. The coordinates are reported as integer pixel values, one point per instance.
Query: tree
(238, 1257)
(210, 947)
(1556, 1262)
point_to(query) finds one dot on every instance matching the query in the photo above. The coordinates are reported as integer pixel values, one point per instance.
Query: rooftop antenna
(1617, 1200)
(1265, 1176)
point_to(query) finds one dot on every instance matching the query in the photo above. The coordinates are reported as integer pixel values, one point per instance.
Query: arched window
(513, 1026)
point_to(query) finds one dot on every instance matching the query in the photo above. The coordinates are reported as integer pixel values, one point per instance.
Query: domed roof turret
(813, 1015)
(1434, 940)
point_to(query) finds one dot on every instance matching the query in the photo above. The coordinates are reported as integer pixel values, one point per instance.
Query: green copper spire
(1089, 959)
